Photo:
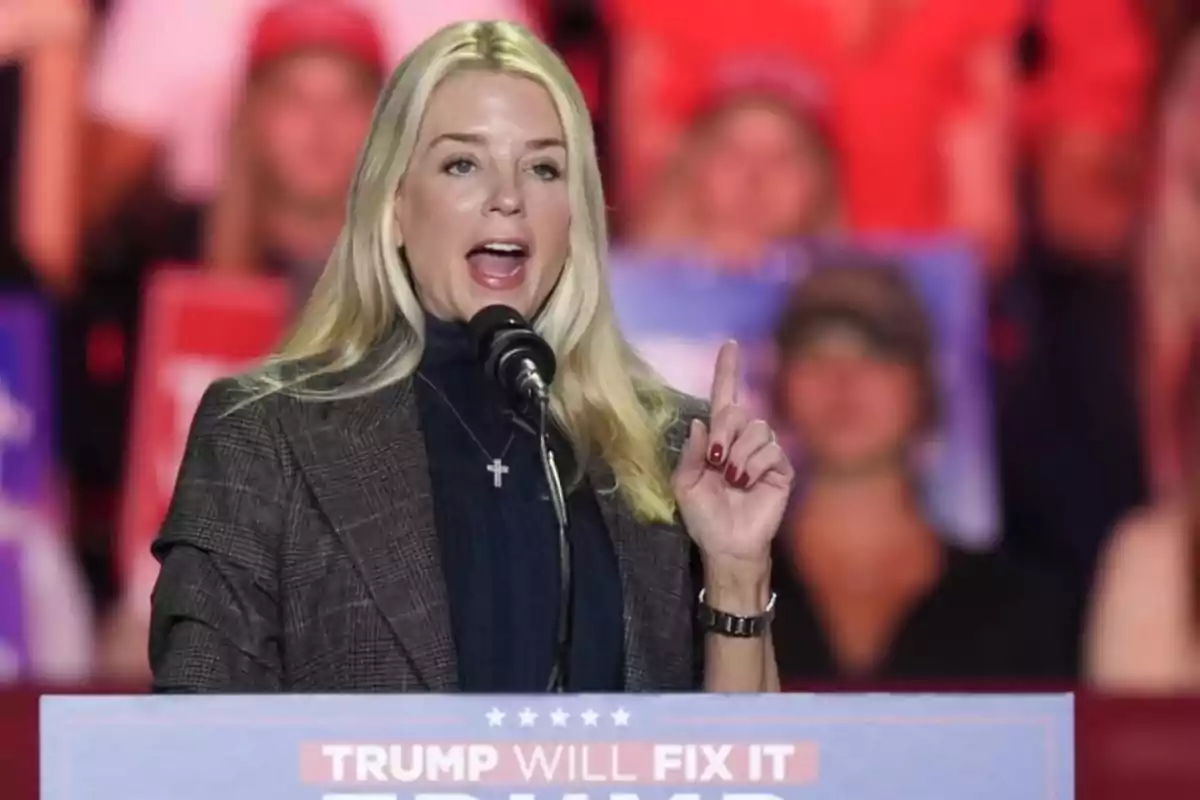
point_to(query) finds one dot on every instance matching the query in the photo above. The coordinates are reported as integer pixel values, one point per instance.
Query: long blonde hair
(605, 398)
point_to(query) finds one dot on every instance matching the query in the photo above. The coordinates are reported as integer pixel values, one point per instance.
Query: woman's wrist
(738, 586)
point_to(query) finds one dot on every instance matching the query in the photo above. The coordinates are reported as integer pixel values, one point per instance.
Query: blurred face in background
(760, 171)
(309, 115)
(852, 407)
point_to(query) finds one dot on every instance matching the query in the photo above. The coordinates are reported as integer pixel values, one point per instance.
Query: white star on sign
(558, 717)
(589, 717)
(528, 717)
(620, 717)
(495, 718)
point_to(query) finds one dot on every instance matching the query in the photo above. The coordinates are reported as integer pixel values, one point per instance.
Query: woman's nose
(506, 198)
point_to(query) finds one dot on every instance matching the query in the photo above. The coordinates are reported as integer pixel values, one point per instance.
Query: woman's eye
(458, 166)
(547, 172)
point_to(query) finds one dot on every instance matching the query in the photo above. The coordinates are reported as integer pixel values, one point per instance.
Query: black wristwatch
(723, 624)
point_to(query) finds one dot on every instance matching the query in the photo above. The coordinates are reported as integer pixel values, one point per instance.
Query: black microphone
(512, 354)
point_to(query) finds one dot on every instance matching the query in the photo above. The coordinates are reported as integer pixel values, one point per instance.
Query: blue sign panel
(677, 310)
(617, 747)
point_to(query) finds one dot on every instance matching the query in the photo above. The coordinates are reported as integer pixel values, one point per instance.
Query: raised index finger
(725, 377)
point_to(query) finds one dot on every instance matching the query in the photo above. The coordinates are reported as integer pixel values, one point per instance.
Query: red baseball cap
(295, 25)
(787, 81)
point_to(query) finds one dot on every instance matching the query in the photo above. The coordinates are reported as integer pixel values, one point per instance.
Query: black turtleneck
(500, 545)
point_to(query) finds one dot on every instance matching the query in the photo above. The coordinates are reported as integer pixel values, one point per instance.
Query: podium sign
(616, 747)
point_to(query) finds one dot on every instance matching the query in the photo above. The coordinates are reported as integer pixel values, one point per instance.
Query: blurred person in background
(867, 588)
(1144, 629)
(46, 41)
(753, 169)
(921, 100)
(1083, 107)
(45, 614)
(1170, 283)
(315, 69)
(1064, 325)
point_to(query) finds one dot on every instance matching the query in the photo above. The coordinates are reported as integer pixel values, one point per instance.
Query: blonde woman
(335, 524)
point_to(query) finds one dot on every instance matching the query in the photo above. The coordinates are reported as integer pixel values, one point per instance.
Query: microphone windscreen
(490, 321)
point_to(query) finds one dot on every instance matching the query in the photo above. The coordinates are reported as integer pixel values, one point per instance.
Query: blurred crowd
(1059, 139)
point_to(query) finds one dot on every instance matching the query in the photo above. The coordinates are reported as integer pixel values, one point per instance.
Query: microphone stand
(518, 369)
(558, 674)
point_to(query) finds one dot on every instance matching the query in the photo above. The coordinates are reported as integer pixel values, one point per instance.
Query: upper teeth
(503, 247)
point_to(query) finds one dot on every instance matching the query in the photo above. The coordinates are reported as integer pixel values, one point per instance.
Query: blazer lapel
(655, 585)
(365, 460)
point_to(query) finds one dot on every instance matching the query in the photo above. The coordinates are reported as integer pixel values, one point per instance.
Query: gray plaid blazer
(299, 554)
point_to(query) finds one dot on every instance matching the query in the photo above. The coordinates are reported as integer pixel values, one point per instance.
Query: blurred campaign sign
(14, 641)
(197, 328)
(678, 309)
(45, 614)
(622, 747)
(27, 436)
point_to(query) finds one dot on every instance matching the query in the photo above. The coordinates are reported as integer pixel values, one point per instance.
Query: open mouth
(498, 263)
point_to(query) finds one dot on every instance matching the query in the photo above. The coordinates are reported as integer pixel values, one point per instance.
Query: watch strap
(722, 623)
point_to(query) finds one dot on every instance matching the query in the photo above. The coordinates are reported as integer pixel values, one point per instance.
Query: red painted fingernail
(743, 481)
(731, 475)
(716, 455)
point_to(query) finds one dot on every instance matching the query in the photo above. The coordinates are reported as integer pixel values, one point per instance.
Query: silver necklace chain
(496, 466)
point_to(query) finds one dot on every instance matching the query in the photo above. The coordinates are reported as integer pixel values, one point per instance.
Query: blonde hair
(605, 399)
